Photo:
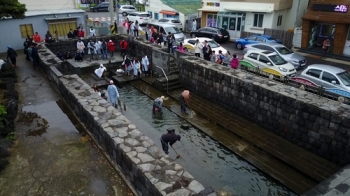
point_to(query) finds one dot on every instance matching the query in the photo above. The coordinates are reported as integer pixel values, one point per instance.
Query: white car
(141, 17)
(189, 44)
(269, 62)
(172, 21)
(126, 9)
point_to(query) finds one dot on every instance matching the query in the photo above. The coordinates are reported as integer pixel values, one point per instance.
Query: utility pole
(117, 11)
(111, 11)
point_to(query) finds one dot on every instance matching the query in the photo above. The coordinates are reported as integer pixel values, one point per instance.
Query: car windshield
(344, 77)
(277, 60)
(144, 15)
(173, 30)
(175, 21)
(284, 50)
(213, 44)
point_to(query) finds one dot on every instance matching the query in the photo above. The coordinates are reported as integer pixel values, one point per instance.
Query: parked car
(172, 21)
(216, 34)
(126, 9)
(332, 78)
(102, 7)
(294, 58)
(269, 62)
(241, 42)
(190, 43)
(167, 28)
(141, 17)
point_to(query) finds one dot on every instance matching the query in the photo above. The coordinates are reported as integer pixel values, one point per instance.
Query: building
(184, 10)
(252, 15)
(42, 16)
(327, 19)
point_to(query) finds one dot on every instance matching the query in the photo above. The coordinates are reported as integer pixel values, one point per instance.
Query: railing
(166, 77)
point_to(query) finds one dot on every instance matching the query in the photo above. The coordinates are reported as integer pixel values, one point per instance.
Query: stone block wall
(146, 166)
(315, 123)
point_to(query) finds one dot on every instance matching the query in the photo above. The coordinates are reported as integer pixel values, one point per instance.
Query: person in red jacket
(36, 37)
(124, 47)
(81, 33)
(110, 46)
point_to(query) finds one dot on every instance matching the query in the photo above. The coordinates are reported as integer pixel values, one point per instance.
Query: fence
(285, 36)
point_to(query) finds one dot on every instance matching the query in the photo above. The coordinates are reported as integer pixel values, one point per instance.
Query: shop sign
(331, 8)
(212, 4)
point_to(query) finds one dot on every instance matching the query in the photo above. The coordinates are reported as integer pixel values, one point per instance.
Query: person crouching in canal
(184, 98)
(169, 138)
(157, 104)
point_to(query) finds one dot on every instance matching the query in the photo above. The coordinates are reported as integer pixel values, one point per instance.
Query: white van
(167, 28)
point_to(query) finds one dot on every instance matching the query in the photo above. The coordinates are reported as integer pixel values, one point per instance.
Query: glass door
(224, 22)
(232, 29)
(347, 44)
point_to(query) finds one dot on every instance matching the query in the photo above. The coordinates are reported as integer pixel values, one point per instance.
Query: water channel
(220, 167)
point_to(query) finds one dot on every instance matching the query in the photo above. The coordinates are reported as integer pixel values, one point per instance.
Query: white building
(253, 15)
(181, 9)
(42, 16)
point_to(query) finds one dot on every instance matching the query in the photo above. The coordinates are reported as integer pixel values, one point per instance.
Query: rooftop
(48, 12)
(184, 6)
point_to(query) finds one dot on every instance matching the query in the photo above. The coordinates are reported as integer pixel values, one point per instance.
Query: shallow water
(227, 170)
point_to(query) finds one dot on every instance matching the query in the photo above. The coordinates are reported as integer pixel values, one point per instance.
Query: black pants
(147, 36)
(169, 47)
(197, 54)
(324, 52)
(123, 53)
(131, 52)
(165, 146)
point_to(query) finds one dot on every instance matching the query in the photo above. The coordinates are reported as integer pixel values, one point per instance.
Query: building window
(279, 20)
(212, 20)
(150, 14)
(258, 20)
(156, 16)
(26, 29)
(170, 16)
(62, 26)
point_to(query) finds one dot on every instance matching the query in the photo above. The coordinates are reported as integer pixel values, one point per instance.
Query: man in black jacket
(169, 139)
(12, 55)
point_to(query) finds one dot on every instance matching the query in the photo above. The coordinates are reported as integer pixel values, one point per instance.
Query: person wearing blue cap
(12, 55)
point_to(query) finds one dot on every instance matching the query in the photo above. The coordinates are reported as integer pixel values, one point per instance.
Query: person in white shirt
(81, 47)
(194, 25)
(99, 71)
(198, 48)
(92, 31)
(145, 64)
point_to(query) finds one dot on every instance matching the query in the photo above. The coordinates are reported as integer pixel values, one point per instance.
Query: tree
(12, 8)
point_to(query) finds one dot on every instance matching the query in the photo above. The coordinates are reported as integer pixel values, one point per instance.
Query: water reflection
(230, 171)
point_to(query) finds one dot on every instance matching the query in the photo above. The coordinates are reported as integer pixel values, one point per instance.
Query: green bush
(2, 116)
(92, 5)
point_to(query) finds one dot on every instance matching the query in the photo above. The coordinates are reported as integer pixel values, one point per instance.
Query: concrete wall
(11, 34)
(315, 123)
(146, 167)
(48, 4)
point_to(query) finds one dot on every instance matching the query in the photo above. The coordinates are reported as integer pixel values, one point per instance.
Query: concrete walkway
(293, 166)
(52, 155)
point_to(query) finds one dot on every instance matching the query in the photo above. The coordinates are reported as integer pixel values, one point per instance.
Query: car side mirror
(268, 63)
(334, 82)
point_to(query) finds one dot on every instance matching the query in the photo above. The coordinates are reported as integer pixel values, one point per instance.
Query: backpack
(104, 45)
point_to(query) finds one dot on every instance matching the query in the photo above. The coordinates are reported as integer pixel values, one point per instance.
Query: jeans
(123, 52)
(111, 53)
(104, 53)
(183, 109)
(165, 146)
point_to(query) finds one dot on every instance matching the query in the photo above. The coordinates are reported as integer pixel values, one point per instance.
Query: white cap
(110, 40)
(111, 82)
(101, 65)
(162, 97)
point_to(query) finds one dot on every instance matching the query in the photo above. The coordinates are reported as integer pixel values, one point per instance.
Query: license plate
(225, 36)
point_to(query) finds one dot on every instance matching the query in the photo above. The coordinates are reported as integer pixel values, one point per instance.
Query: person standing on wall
(136, 29)
(124, 47)
(104, 49)
(194, 25)
(325, 46)
(198, 48)
(12, 55)
(131, 46)
(92, 32)
(36, 37)
(111, 48)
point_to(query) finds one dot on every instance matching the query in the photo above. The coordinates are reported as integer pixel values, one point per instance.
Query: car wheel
(193, 35)
(95, 10)
(239, 46)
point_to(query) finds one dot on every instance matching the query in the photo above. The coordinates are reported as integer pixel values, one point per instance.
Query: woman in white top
(198, 48)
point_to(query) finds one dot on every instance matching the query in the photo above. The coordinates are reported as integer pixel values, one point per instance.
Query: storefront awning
(339, 18)
(168, 12)
(61, 18)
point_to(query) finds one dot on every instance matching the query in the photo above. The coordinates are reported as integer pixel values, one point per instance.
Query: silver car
(126, 9)
(328, 76)
(295, 59)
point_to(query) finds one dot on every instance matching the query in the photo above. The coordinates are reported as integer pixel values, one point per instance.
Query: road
(311, 59)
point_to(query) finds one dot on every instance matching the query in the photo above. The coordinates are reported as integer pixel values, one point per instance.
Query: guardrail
(318, 90)
(166, 77)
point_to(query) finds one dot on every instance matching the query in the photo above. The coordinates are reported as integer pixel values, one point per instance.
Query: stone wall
(317, 124)
(148, 168)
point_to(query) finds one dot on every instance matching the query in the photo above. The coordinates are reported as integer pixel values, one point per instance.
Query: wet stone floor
(52, 155)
